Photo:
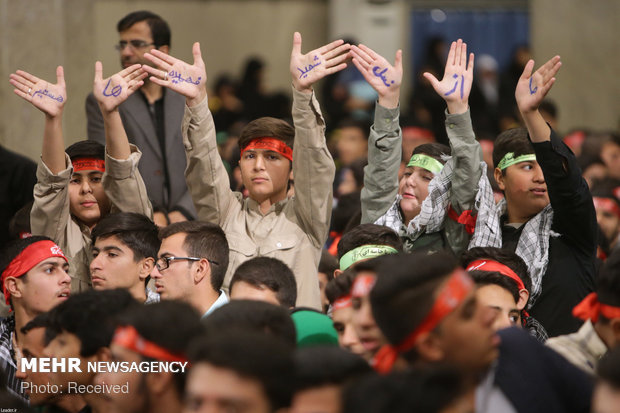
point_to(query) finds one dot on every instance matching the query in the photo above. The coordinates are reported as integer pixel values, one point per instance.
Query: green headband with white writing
(509, 159)
(424, 161)
(364, 252)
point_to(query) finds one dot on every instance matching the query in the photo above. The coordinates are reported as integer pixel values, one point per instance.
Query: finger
(18, 80)
(361, 65)
(432, 79)
(60, 76)
(336, 60)
(129, 70)
(158, 81)
(451, 54)
(22, 95)
(330, 46)
(28, 76)
(135, 85)
(470, 65)
(527, 70)
(549, 64)
(338, 50)
(463, 58)
(334, 69)
(22, 87)
(197, 54)
(296, 44)
(547, 87)
(362, 54)
(139, 73)
(98, 71)
(551, 72)
(457, 53)
(156, 61)
(151, 70)
(164, 56)
(398, 60)
(369, 51)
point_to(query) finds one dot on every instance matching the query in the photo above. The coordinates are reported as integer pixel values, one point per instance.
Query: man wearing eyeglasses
(151, 118)
(191, 264)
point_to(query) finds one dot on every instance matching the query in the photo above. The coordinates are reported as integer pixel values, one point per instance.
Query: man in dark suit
(152, 118)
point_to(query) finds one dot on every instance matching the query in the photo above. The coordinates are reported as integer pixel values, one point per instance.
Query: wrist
(302, 89)
(389, 101)
(193, 101)
(456, 108)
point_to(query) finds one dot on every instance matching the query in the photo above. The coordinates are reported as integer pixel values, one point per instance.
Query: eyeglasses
(134, 44)
(164, 262)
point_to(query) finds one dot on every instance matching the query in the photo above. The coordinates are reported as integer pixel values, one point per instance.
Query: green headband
(426, 162)
(509, 159)
(364, 252)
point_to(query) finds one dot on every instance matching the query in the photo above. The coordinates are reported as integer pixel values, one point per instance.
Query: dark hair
(328, 264)
(362, 125)
(348, 205)
(253, 315)
(91, 316)
(434, 150)
(323, 365)
(267, 126)
(134, 230)
(203, 240)
(270, 273)
(549, 106)
(341, 285)
(608, 369)
(482, 278)
(513, 140)
(253, 355)
(170, 324)
(367, 234)
(608, 282)
(404, 292)
(41, 320)
(503, 256)
(86, 149)
(160, 31)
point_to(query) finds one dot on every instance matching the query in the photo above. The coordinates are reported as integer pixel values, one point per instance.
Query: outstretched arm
(530, 92)
(49, 99)
(110, 93)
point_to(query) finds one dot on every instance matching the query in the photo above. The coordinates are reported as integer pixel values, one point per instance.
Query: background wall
(38, 35)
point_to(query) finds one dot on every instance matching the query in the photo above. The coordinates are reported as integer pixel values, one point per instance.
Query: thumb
(98, 71)
(60, 76)
(527, 70)
(398, 60)
(197, 54)
(296, 43)
(432, 79)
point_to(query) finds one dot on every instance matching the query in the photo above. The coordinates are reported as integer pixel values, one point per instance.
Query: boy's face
(47, 284)
(413, 187)
(351, 145)
(114, 265)
(31, 346)
(609, 223)
(347, 337)
(525, 189)
(87, 199)
(68, 345)
(176, 281)
(216, 389)
(610, 154)
(265, 174)
(367, 330)
(502, 302)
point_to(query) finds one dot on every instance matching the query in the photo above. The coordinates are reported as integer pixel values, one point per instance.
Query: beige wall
(38, 35)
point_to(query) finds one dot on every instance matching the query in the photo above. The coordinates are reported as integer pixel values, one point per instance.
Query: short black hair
(86, 149)
(324, 365)
(252, 355)
(170, 324)
(361, 124)
(253, 315)
(203, 240)
(160, 31)
(608, 282)
(341, 285)
(270, 273)
(608, 369)
(405, 292)
(367, 234)
(267, 126)
(41, 320)
(328, 264)
(91, 316)
(435, 150)
(482, 278)
(514, 140)
(503, 256)
(134, 230)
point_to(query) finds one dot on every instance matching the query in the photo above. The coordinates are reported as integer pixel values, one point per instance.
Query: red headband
(342, 302)
(88, 164)
(28, 258)
(607, 205)
(128, 337)
(362, 285)
(491, 265)
(590, 308)
(450, 296)
(270, 144)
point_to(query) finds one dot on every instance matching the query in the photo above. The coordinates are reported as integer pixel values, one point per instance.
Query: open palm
(378, 72)
(47, 97)
(532, 88)
(113, 91)
(458, 75)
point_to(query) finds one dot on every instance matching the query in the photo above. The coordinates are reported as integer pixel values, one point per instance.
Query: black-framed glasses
(134, 44)
(164, 262)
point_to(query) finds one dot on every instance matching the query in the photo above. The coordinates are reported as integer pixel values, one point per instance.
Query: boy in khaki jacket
(267, 223)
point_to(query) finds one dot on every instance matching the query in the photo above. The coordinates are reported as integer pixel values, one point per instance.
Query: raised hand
(532, 88)
(306, 69)
(188, 80)
(48, 98)
(458, 76)
(113, 91)
(380, 74)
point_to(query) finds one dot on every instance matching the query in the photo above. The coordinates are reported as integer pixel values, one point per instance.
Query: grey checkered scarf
(533, 245)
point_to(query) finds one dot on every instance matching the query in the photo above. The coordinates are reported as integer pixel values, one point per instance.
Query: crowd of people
(302, 263)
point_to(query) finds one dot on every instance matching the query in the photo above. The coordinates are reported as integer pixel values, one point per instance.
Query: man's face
(47, 284)
(87, 199)
(502, 302)
(135, 401)
(215, 389)
(609, 223)
(368, 332)
(347, 337)
(606, 398)
(67, 345)
(176, 281)
(610, 154)
(525, 189)
(351, 145)
(140, 33)
(32, 345)
(241, 290)
(413, 187)
(114, 265)
(265, 174)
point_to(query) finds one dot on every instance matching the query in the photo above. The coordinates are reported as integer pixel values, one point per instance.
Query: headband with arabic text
(451, 295)
(491, 265)
(426, 162)
(88, 164)
(129, 338)
(270, 144)
(29, 258)
(509, 159)
(364, 252)
(590, 308)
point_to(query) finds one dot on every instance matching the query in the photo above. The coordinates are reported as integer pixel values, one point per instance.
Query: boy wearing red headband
(268, 223)
(34, 279)
(77, 187)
